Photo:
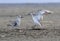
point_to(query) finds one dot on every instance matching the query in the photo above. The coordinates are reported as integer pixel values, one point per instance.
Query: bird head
(48, 12)
(45, 12)
(19, 16)
(30, 13)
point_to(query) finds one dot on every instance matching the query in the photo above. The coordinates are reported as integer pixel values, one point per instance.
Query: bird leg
(40, 24)
(34, 26)
(41, 18)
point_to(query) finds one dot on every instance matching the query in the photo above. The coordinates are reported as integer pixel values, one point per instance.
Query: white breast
(18, 20)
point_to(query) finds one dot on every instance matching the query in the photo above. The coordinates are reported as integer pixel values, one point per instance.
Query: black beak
(22, 17)
(28, 14)
(49, 13)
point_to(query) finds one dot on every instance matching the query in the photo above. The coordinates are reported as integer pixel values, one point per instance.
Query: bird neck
(42, 12)
(18, 18)
(31, 14)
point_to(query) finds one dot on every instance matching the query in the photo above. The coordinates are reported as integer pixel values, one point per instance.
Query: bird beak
(28, 14)
(20, 16)
(50, 12)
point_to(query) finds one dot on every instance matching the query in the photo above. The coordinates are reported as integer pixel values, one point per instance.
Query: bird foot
(42, 27)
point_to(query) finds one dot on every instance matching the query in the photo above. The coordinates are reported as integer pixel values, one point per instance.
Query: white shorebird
(38, 16)
(16, 22)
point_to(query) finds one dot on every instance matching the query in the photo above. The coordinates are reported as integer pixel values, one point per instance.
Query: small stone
(3, 35)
